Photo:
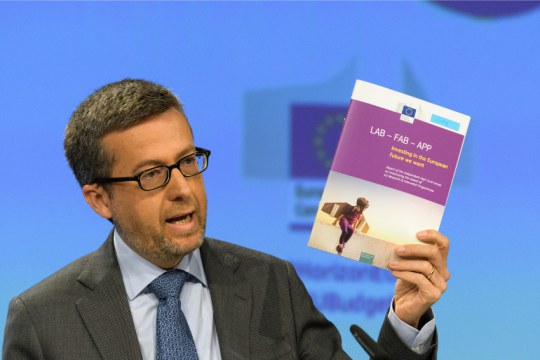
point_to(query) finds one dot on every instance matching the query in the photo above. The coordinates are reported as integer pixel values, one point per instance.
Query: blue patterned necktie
(173, 337)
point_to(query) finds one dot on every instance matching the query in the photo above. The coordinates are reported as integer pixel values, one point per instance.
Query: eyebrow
(149, 163)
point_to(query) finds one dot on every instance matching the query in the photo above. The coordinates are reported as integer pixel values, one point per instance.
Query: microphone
(373, 349)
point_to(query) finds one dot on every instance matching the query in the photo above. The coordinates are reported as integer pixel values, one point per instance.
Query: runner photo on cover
(349, 222)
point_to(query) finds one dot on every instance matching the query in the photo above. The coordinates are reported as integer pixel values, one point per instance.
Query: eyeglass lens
(158, 176)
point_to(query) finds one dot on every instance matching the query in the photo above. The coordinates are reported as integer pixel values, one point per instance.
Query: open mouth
(179, 220)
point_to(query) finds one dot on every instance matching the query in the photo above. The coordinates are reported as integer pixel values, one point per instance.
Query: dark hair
(362, 202)
(115, 106)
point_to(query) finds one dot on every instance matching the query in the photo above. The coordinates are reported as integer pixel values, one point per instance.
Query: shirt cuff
(418, 341)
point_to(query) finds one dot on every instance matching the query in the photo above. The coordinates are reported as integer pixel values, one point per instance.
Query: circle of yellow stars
(318, 140)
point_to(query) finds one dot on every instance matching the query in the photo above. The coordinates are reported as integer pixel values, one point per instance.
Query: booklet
(390, 177)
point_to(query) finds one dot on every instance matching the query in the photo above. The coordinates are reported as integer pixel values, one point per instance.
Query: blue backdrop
(239, 69)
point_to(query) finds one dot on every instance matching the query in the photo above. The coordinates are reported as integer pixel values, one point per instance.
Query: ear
(98, 199)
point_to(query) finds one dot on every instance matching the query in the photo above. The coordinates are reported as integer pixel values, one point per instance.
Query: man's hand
(422, 275)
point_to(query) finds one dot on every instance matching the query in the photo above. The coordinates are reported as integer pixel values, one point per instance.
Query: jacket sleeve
(319, 339)
(392, 344)
(316, 337)
(20, 338)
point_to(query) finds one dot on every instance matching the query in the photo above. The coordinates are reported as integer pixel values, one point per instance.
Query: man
(132, 151)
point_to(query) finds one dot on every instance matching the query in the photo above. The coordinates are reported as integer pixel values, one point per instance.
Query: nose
(178, 185)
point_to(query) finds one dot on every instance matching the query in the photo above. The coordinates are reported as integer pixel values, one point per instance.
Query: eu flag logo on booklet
(407, 114)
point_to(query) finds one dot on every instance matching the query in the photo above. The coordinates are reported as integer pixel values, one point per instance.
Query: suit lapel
(105, 311)
(231, 300)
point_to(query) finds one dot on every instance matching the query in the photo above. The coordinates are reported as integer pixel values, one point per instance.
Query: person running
(349, 221)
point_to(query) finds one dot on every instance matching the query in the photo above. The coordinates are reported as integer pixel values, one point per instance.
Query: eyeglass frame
(176, 165)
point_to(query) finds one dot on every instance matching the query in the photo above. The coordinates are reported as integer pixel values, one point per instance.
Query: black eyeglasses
(159, 176)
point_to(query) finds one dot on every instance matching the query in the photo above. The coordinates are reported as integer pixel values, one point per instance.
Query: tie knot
(168, 284)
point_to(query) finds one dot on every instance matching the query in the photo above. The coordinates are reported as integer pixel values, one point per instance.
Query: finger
(441, 241)
(438, 281)
(435, 237)
(426, 252)
(428, 292)
(422, 267)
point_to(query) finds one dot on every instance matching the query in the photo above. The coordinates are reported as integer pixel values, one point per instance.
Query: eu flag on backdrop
(315, 132)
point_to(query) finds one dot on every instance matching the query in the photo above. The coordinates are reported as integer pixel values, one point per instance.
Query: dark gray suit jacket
(261, 308)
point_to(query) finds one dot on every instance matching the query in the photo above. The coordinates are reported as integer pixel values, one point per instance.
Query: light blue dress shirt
(137, 273)
(418, 341)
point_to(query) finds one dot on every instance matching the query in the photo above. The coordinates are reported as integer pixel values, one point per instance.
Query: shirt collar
(137, 272)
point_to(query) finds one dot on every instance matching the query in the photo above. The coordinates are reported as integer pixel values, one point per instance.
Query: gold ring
(431, 273)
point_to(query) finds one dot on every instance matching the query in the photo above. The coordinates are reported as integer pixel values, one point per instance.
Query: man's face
(161, 225)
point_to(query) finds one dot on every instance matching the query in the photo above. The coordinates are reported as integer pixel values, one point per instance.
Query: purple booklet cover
(390, 176)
